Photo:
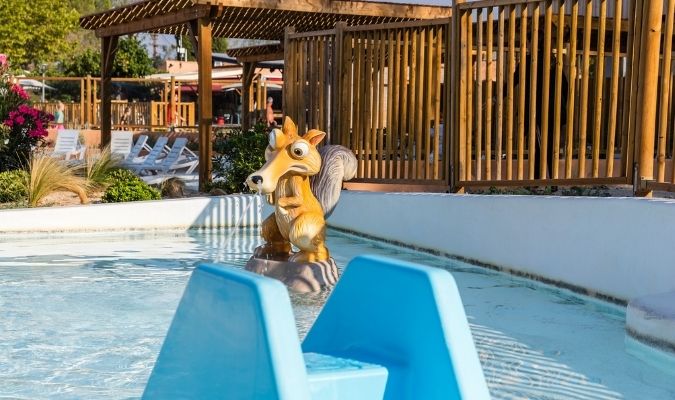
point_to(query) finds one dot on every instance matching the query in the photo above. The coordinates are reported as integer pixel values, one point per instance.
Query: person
(60, 115)
(126, 116)
(269, 113)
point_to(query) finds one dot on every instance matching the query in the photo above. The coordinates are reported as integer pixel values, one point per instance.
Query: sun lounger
(68, 145)
(233, 336)
(134, 155)
(121, 143)
(150, 161)
(178, 158)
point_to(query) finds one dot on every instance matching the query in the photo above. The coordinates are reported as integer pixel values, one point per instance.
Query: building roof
(251, 19)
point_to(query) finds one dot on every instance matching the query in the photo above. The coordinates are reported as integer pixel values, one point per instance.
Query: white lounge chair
(68, 145)
(179, 157)
(134, 156)
(150, 161)
(121, 143)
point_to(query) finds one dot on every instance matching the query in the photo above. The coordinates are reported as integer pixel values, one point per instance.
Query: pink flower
(3, 60)
(18, 90)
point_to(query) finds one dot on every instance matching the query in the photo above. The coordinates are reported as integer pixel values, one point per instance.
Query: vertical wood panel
(534, 55)
(569, 139)
(559, 64)
(522, 79)
(500, 93)
(510, 121)
(545, 92)
(479, 94)
(491, 13)
(438, 73)
(469, 98)
(583, 100)
(599, 81)
(666, 73)
(390, 103)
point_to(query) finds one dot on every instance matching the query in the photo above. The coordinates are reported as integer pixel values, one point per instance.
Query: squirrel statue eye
(273, 140)
(300, 149)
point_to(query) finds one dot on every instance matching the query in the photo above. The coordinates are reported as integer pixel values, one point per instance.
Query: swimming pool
(84, 316)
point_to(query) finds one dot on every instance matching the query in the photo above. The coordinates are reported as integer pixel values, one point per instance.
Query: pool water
(84, 316)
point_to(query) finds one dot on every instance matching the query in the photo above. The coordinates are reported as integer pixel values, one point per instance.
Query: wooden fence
(526, 92)
(540, 94)
(378, 90)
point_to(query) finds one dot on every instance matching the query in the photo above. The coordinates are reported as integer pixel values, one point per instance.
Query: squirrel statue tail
(338, 164)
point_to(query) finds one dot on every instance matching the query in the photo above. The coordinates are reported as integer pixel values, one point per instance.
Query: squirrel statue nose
(257, 179)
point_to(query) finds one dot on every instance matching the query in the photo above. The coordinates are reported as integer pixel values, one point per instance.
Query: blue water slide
(390, 330)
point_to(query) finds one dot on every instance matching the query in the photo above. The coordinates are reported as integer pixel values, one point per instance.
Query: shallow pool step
(651, 320)
(341, 378)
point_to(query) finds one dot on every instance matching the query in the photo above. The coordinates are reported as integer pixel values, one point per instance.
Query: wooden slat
(382, 104)
(557, 117)
(545, 92)
(666, 73)
(358, 99)
(583, 100)
(491, 14)
(412, 99)
(570, 98)
(510, 93)
(397, 88)
(428, 111)
(419, 102)
(469, 99)
(404, 124)
(599, 80)
(374, 103)
(368, 106)
(534, 58)
(390, 102)
(522, 85)
(438, 76)
(463, 65)
(500, 93)
(479, 95)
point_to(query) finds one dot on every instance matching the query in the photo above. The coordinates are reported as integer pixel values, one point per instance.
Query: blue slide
(390, 330)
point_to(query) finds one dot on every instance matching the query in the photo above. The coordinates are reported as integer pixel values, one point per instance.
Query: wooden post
(647, 91)
(82, 103)
(108, 49)
(203, 34)
(340, 77)
(246, 82)
(172, 102)
(287, 73)
(87, 102)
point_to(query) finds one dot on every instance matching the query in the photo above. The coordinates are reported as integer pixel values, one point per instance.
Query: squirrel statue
(303, 183)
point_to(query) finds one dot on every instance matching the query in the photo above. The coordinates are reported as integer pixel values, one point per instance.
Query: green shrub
(125, 186)
(241, 153)
(13, 186)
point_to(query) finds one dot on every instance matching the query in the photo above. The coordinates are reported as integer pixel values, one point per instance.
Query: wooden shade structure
(202, 20)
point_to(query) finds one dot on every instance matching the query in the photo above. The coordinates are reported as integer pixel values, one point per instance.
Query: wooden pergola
(201, 20)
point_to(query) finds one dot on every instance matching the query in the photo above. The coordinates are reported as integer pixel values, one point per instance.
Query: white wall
(203, 212)
(620, 247)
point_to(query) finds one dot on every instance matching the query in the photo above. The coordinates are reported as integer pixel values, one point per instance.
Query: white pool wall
(621, 248)
(203, 212)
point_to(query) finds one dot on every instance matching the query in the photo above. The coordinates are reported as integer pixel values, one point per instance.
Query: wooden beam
(108, 49)
(256, 58)
(204, 49)
(155, 22)
(341, 7)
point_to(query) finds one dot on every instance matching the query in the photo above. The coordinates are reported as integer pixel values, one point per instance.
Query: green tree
(34, 32)
(131, 60)
(219, 45)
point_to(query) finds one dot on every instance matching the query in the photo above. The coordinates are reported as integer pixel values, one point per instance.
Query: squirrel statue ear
(314, 136)
(289, 128)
